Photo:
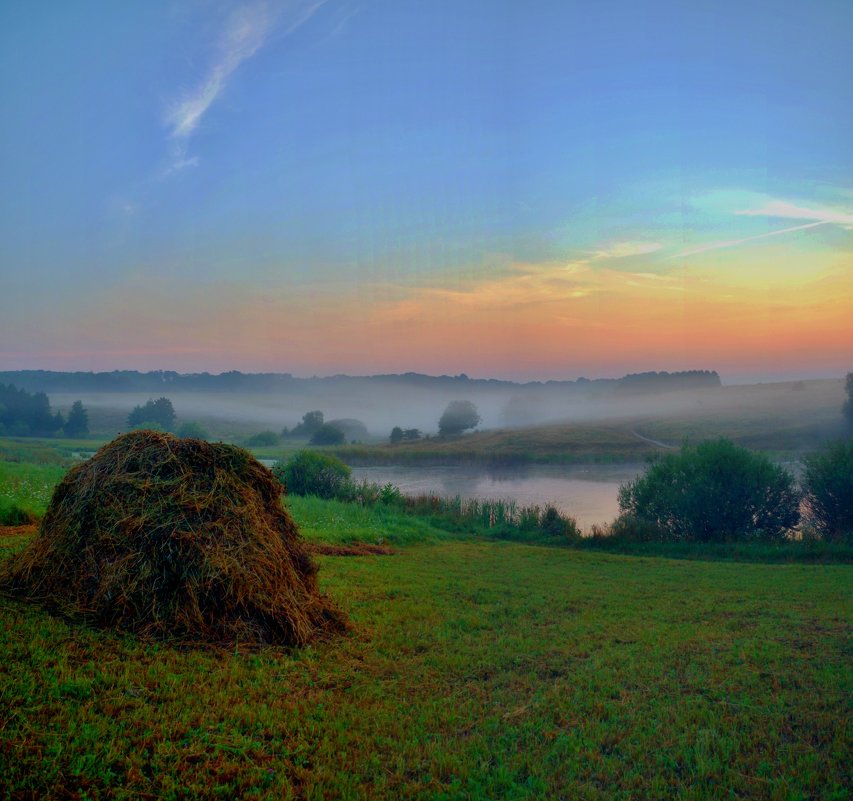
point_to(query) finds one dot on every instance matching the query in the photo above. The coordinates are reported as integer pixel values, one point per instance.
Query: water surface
(587, 493)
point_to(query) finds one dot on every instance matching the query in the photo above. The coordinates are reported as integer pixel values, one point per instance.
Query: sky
(505, 189)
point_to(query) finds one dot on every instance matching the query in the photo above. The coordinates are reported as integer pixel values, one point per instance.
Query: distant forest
(160, 381)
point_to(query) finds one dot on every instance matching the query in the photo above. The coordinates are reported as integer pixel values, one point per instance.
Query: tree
(159, 411)
(458, 416)
(848, 404)
(327, 434)
(715, 492)
(311, 421)
(396, 435)
(411, 434)
(77, 423)
(23, 414)
(313, 473)
(828, 491)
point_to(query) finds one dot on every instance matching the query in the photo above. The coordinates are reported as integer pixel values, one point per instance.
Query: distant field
(476, 670)
(566, 444)
(787, 419)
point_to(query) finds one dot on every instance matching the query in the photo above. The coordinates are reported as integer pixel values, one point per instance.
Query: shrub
(327, 434)
(555, 524)
(828, 491)
(312, 473)
(192, 430)
(11, 514)
(714, 492)
(149, 425)
(261, 439)
(847, 408)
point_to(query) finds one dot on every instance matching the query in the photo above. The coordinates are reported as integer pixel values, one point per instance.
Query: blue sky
(316, 186)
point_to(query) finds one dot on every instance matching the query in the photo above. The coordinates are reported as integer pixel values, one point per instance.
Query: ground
(476, 670)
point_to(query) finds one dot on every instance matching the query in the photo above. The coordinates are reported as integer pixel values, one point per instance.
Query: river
(587, 493)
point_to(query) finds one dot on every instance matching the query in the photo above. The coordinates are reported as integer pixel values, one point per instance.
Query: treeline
(23, 414)
(235, 381)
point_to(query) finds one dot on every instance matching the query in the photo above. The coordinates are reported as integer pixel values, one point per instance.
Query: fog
(381, 405)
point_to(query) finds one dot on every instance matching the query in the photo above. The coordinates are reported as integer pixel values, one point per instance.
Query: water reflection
(587, 493)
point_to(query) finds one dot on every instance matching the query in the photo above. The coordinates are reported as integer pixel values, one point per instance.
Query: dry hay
(173, 537)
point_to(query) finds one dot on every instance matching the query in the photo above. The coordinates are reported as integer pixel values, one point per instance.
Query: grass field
(476, 670)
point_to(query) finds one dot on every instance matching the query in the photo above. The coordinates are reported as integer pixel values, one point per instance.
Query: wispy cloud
(247, 30)
(730, 243)
(622, 250)
(779, 210)
(245, 33)
(785, 210)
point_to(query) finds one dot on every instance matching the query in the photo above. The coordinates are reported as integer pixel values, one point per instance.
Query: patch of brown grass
(351, 549)
(18, 531)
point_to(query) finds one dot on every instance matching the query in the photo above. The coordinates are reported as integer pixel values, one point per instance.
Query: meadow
(476, 669)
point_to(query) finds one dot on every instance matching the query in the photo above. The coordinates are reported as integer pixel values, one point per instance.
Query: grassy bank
(557, 444)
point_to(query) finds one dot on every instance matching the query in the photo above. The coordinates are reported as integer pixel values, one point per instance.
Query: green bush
(715, 492)
(555, 524)
(11, 514)
(312, 473)
(148, 425)
(192, 430)
(828, 492)
(327, 434)
(262, 439)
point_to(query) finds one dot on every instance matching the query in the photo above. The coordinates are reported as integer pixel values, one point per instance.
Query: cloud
(621, 250)
(730, 243)
(247, 30)
(244, 35)
(783, 209)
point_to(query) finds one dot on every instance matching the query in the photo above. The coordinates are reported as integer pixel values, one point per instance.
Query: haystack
(173, 537)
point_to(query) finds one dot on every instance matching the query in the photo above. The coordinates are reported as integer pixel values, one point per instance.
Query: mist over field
(382, 404)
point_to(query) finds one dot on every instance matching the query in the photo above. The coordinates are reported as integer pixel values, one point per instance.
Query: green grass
(476, 671)
(26, 487)
(553, 444)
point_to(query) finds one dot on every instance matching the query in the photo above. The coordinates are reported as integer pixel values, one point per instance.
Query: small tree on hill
(77, 423)
(459, 416)
(396, 435)
(159, 411)
(311, 421)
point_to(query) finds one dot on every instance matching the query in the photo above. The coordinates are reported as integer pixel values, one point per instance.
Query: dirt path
(651, 441)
